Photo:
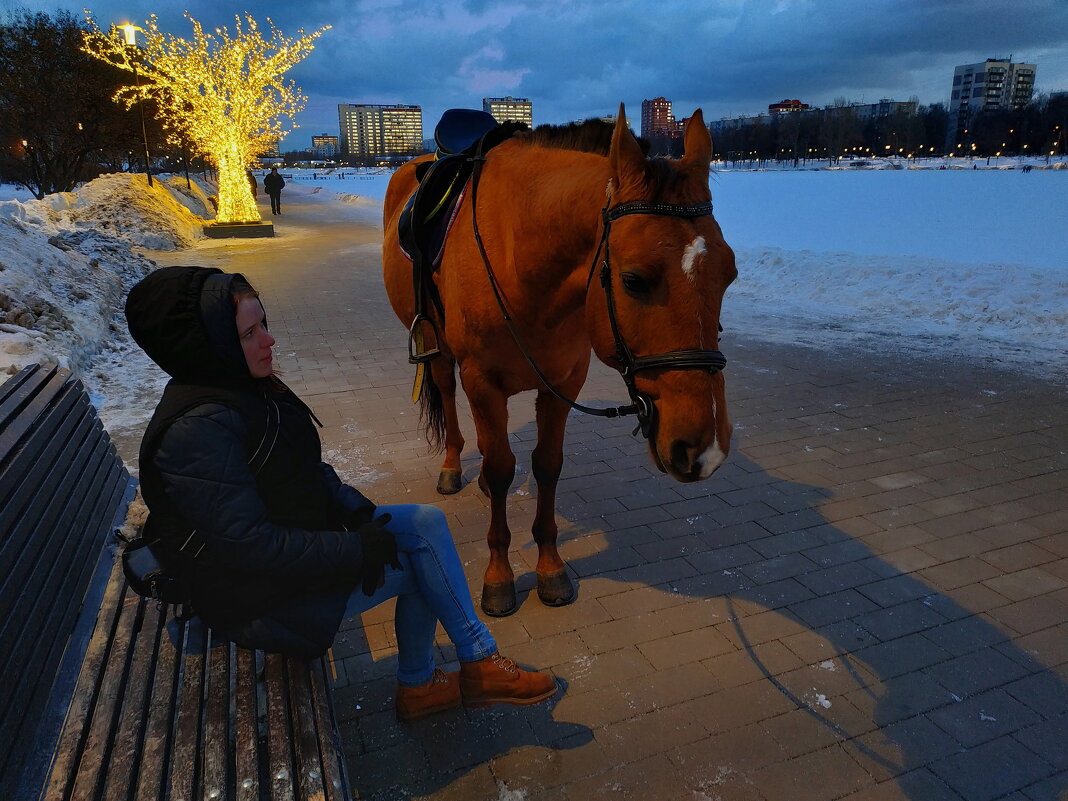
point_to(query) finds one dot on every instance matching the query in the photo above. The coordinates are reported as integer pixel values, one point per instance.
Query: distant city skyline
(576, 60)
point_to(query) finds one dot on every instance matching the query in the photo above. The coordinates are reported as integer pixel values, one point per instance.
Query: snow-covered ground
(970, 263)
(66, 263)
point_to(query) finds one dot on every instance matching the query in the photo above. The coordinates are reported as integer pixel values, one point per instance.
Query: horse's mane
(590, 136)
(663, 177)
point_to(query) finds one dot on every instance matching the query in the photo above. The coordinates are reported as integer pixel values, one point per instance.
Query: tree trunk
(236, 203)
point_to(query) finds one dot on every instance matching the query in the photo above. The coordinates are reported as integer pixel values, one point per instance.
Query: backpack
(144, 572)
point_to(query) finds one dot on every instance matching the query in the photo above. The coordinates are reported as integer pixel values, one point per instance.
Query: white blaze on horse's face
(690, 255)
(713, 457)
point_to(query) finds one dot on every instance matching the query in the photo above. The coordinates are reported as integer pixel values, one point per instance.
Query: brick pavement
(868, 601)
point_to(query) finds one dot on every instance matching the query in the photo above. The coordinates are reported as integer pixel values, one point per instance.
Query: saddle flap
(424, 222)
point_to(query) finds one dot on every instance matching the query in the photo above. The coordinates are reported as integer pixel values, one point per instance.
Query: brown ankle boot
(497, 680)
(440, 693)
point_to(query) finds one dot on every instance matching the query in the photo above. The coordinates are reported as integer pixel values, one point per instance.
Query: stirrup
(416, 354)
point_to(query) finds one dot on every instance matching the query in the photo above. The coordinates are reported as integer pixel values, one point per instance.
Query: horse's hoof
(556, 589)
(449, 482)
(498, 600)
(482, 485)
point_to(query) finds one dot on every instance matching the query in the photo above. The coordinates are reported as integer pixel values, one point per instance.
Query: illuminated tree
(225, 94)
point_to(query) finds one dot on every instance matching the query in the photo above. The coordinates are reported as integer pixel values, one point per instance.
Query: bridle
(710, 361)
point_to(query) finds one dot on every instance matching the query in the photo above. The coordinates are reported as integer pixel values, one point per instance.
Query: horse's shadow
(915, 687)
(826, 643)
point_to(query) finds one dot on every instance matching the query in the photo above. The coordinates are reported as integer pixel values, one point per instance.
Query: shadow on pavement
(912, 685)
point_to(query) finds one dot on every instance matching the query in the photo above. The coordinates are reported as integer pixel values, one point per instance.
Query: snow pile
(905, 297)
(124, 205)
(66, 264)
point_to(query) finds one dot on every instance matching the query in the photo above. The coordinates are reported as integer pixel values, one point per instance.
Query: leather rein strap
(711, 361)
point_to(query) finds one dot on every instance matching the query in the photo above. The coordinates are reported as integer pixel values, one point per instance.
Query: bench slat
(335, 771)
(72, 740)
(306, 737)
(183, 775)
(216, 745)
(157, 743)
(279, 735)
(94, 759)
(126, 752)
(246, 729)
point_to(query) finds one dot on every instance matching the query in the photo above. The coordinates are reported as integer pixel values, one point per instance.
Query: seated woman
(272, 548)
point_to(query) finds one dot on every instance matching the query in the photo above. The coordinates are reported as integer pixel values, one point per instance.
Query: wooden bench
(107, 695)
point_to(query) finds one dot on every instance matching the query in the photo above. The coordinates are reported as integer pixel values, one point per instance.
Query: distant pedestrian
(253, 185)
(272, 185)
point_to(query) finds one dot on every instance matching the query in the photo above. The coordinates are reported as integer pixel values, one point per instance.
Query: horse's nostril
(683, 455)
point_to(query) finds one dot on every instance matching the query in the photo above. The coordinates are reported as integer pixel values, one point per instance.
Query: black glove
(379, 549)
(359, 517)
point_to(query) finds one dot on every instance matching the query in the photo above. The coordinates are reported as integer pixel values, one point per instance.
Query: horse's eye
(634, 283)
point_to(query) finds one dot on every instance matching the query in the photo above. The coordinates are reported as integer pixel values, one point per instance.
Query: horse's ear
(697, 140)
(626, 157)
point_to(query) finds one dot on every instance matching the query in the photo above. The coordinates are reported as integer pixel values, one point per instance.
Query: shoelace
(504, 663)
(439, 676)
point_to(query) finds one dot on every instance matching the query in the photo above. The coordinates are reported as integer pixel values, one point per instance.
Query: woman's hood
(184, 319)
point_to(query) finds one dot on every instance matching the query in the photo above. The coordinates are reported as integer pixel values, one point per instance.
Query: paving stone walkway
(868, 602)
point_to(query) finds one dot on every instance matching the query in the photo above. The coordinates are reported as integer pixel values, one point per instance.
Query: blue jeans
(431, 587)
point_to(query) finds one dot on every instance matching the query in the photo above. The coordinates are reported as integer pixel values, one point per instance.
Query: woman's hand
(379, 549)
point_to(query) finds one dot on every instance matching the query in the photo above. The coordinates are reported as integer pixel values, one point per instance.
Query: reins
(711, 361)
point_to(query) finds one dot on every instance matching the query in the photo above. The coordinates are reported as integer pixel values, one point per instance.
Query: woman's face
(256, 340)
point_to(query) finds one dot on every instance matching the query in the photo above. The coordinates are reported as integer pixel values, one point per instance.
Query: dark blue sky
(581, 58)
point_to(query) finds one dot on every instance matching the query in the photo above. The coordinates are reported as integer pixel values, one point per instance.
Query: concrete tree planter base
(244, 230)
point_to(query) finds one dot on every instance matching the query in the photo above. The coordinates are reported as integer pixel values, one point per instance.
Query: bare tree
(54, 111)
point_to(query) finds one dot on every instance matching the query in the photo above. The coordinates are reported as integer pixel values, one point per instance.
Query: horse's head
(667, 270)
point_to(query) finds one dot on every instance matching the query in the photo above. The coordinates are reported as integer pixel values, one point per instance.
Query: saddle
(461, 137)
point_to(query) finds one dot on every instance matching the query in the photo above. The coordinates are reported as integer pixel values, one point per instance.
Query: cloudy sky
(581, 58)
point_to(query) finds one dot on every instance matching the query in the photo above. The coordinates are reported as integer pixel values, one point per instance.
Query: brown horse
(520, 300)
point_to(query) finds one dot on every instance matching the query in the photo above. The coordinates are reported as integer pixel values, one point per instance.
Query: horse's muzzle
(687, 463)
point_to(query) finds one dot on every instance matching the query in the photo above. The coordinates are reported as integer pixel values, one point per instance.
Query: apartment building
(997, 84)
(510, 109)
(380, 131)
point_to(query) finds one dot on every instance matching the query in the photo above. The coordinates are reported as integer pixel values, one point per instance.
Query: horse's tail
(432, 412)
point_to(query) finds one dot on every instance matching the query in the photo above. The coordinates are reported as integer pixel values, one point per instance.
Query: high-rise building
(996, 84)
(510, 109)
(380, 131)
(657, 119)
(325, 146)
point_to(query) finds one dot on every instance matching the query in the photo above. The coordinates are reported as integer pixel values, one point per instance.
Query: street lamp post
(130, 32)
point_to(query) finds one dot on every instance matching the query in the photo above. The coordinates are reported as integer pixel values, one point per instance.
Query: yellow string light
(224, 94)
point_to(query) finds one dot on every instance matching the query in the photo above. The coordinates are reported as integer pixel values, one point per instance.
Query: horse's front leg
(554, 586)
(489, 408)
(443, 373)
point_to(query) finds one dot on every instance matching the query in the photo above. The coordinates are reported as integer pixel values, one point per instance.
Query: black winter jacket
(273, 183)
(270, 565)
